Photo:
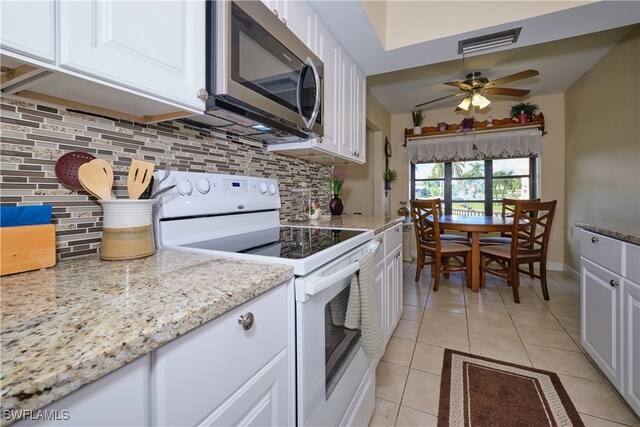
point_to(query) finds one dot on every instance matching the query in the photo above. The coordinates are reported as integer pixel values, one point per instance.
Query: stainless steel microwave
(262, 81)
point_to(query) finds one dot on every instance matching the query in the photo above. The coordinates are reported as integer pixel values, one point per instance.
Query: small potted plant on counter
(523, 112)
(418, 117)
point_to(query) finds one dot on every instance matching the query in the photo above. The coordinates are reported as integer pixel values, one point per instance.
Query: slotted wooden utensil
(97, 178)
(139, 176)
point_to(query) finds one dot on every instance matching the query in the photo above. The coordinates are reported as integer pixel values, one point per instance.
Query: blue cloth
(11, 216)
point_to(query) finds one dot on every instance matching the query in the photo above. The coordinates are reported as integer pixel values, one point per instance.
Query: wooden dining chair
(446, 256)
(532, 227)
(508, 211)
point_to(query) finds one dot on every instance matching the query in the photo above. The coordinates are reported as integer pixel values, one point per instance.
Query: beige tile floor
(537, 333)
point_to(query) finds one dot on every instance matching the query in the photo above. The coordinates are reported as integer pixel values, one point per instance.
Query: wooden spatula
(97, 178)
(139, 177)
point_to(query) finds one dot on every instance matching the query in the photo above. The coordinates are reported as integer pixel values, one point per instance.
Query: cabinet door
(358, 130)
(398, 284)
(600, 311)
(347, 78)
(300, 19)
(382, 299)
(120, 398)
(328, 50)
(391, 294)
(631, 342)
(38, 40)
(259, 402)
(154, 48)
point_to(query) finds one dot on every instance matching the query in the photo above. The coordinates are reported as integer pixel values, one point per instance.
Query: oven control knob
(203, 186)
(272, 189)
(184, 187)
(262, 187)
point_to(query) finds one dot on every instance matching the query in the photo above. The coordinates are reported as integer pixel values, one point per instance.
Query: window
(475, 187)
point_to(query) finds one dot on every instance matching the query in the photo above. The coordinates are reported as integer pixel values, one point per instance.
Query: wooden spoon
(95, 178)
(139, 176)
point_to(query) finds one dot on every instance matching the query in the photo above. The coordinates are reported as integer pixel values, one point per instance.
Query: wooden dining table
(474, 225)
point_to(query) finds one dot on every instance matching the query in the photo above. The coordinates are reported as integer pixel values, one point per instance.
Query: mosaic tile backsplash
(34, 136)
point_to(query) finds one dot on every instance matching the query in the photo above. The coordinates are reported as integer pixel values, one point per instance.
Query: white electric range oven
(237, 216)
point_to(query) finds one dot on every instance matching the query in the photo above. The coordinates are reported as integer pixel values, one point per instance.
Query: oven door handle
(312, 287)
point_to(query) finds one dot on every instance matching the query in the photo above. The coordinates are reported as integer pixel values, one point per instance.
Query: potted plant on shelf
(418, 117)
(389, 176)
(523, 112)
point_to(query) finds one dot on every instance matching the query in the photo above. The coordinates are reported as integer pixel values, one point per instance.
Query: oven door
(330, 361)
(269, 68)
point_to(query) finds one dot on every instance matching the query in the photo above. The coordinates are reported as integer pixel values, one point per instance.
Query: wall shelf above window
(480, 126)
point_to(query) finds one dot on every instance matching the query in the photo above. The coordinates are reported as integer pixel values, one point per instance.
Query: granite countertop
(625, 232)
(69, 325)
(368, 222)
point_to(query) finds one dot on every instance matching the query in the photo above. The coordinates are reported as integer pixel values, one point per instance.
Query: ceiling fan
(475, 86)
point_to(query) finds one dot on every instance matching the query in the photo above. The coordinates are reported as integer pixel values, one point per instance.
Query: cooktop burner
(280, 242)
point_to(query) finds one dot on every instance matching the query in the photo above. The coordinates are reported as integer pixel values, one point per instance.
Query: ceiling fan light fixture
(464, 105)
(479, 101)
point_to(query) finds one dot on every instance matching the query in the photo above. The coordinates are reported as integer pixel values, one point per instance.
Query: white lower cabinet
(388, 273)
(224, 374)
(631, 339)
(610, 311)
(120, 398)
(601, 318)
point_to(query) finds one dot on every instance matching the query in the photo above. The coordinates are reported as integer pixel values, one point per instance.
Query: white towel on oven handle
(362, 310)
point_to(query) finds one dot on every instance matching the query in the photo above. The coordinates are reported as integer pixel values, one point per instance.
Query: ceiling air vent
(489, 41)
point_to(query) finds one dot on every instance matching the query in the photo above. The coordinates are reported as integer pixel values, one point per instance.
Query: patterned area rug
(478, 391)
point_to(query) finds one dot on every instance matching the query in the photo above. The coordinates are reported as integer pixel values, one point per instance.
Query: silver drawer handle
(614, 283)
(246, 321)
(398, 230)
(594, 240)
(397, 254)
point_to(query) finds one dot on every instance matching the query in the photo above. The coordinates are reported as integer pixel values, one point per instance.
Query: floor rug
(476, 391)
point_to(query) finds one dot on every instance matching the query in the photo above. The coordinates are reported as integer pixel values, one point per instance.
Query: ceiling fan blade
(512, 78)
(439, 99)
(460, 85)
(507, 91)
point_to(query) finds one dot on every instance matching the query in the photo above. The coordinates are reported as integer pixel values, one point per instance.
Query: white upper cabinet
(157, 48)
(297, 15)
(359, 116)
(328, 50)
(300, 19)
(28, 28)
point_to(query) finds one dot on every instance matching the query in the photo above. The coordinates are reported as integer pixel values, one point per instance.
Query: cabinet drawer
(632, 262)
(393, 237)
(602, 250)
(194, 374)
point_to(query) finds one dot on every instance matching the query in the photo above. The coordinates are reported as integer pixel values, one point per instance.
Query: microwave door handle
(316, 106)
(299, 93)
(314, 287)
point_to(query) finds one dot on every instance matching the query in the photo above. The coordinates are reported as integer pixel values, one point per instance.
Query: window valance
(474, 146)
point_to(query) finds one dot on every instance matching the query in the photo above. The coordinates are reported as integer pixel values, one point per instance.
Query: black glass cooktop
(281, 242)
